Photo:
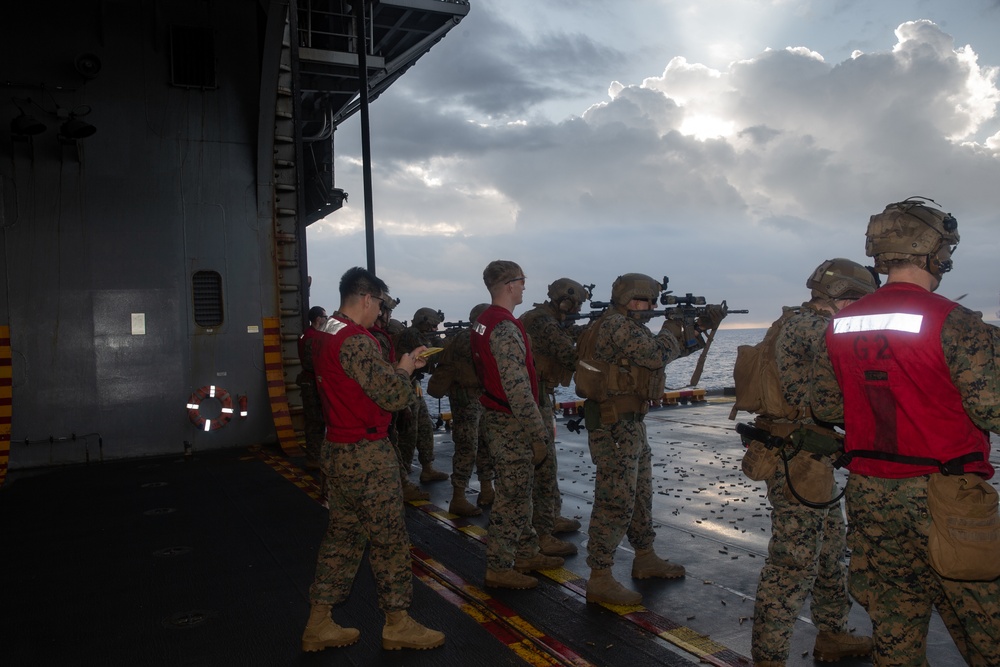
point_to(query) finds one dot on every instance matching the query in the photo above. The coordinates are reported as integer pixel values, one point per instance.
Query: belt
(631, 416)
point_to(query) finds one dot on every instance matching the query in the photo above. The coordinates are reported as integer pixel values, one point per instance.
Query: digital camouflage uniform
(807, 544)
(623, 490)
(551, 345)
(386, 348)
(416, 430)
(509, 439)
(364, 494)
(466, 411)
(889, 522)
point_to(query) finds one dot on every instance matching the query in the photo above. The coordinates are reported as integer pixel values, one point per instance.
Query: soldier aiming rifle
(689, 311)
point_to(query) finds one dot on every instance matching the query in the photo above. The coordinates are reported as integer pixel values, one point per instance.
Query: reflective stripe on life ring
(194, 408)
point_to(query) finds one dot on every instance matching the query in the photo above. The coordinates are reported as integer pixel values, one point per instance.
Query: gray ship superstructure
(160, 163)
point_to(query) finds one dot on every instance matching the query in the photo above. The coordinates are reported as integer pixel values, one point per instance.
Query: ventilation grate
(207, 298)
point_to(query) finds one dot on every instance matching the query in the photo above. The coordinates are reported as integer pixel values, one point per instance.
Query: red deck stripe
(650, 621)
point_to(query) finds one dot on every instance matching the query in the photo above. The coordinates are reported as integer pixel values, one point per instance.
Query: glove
(713, 317)
(685, 334)
(539, 450)
(675, 328)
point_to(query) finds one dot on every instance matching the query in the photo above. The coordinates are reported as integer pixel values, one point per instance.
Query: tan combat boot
(602, 587)
(538, 562)
(401, 631)
(553, 546)
(834, 646)
(321, 632)
(429, 474)
(460, 506)
(768, 663)
(565, 525)
(647, 565)
(486, 493)
(509, 579)
(413, 492)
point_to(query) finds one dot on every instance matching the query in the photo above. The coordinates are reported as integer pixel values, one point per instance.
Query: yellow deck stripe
(275, 373)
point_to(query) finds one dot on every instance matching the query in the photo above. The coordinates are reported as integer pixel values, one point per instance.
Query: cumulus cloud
(776, 160)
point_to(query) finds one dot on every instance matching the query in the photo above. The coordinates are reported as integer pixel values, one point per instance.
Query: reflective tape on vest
(905, 322)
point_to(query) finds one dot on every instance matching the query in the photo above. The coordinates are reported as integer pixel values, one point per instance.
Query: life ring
(194, 407)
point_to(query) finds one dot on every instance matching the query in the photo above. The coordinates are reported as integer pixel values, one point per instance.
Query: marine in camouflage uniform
(416, 430)
(633, 358)
(364, 493)
(554, 349)
(379, 330)
(359, 389)
(806, 550)
(312, 410)
(887, 508)
(513, 430)
(455, 376)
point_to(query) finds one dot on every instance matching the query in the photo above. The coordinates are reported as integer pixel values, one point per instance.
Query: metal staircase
(317, 89)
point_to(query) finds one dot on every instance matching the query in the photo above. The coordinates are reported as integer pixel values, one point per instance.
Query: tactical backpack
(591, 376)
(755, 375)
(454, 366)
(600, 380)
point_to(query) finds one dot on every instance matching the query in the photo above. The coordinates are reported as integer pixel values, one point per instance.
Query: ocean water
(716, 376)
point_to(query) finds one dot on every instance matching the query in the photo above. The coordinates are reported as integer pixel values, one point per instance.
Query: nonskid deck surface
(208, 560)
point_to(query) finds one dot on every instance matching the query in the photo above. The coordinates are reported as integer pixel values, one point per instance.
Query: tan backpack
(592, 376)
(454, 366)
(755, 374)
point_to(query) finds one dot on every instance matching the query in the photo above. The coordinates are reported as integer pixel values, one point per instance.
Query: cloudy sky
(731, 145)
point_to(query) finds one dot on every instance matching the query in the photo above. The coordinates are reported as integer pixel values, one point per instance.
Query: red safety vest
(494, 397)
(349, 413)
(899, 399)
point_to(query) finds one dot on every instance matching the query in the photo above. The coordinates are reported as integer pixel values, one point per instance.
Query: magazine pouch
(811, 476)
(964, 542)
(759, 461)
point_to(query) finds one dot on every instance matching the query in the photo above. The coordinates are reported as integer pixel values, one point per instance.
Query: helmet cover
(841, 278)
(427, 317)
(634, 286)
(567, 295)
(913, 231)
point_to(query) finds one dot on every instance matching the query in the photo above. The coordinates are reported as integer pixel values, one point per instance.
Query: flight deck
(206, 559)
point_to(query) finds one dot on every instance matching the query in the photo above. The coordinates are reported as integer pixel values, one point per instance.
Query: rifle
(597, 309)
(760, 435)
(686, 309)
(452, 328)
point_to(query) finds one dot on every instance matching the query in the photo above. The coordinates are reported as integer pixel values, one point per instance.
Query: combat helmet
(427, 318)
(634, 286)
(567, 295)
(841, 278)
(911, 230)
(389, 303)
(385, 310)
(477, 311)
